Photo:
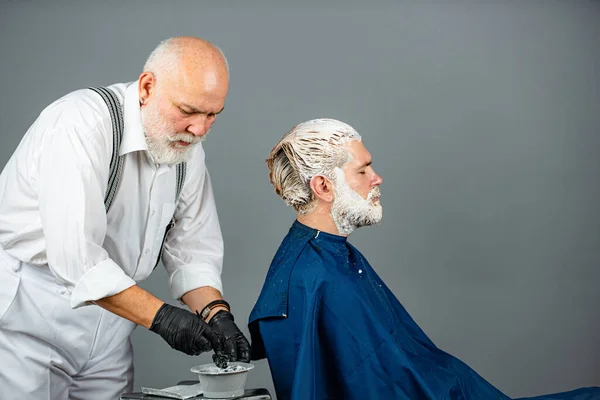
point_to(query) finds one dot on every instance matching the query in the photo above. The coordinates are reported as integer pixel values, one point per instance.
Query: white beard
(162, 139)
(349, 210)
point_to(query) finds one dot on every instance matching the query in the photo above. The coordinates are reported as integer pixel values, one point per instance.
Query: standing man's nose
(199, 126)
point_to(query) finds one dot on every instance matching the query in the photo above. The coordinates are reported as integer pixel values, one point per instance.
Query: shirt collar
(133, 133)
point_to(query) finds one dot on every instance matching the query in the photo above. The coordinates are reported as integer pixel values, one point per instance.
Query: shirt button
(16, 267)
(146, 251)
(152, 212)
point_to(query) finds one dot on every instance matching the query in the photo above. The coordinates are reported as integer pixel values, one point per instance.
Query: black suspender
(181, 170)
(116, 161)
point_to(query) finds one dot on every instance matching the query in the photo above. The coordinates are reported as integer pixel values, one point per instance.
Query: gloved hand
(235, 346)
(185, 331)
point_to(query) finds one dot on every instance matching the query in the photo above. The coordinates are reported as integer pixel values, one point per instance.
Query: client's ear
(322, 187)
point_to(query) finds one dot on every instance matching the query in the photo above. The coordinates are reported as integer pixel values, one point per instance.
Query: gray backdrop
(482, 118)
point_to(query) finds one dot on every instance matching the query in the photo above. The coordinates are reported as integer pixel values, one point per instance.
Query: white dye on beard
(162, 140)
(349, 210)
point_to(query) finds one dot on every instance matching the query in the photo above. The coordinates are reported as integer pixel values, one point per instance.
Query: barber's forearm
(197, 299)
(134, 304)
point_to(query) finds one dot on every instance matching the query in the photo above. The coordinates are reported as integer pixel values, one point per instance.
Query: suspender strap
(181, 170)
(116, 161)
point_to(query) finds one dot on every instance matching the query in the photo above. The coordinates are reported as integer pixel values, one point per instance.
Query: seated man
(329, 326)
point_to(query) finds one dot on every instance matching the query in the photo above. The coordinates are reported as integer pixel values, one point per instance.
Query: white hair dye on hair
(312, 148)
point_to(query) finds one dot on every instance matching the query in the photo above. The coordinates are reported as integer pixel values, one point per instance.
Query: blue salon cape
(331, 329)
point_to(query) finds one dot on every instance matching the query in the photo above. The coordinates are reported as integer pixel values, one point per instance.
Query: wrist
(161, 319)
(213, 307)
(214, 311)
(134, 304)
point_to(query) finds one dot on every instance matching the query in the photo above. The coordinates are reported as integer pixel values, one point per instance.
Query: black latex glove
(185, 331)
(235, 346)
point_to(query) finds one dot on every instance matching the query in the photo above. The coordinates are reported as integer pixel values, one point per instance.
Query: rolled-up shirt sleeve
(193, 250)
(72, 179)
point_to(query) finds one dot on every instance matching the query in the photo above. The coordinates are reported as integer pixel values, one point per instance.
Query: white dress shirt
(52, 210)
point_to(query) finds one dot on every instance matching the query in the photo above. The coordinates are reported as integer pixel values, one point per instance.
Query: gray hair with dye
(312, 148)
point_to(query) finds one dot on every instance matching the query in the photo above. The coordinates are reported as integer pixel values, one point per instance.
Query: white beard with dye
(349, 210)
(162, 140)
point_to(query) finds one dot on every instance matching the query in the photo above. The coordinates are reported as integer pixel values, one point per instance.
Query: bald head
(185, 53)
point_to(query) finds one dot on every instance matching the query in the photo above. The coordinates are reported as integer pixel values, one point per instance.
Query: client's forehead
(358, 153)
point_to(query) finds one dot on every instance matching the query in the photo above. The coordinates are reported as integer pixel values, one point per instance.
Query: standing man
(104, 183)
